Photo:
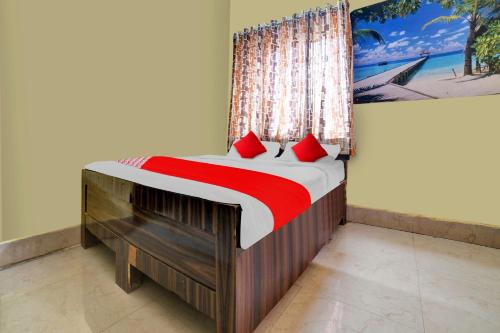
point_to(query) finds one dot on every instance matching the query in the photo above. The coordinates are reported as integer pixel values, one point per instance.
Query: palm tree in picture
(363, 35)
(476, 12)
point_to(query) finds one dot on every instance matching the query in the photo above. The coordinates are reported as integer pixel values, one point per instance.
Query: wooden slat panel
(175, 247)
(196, 294)
(128, 278)
(119, 188)
(183, 247)
(195, 212)
(104, 235)
(265, 271)
(228, 217)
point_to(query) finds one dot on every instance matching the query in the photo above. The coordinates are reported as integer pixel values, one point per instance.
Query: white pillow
(289, 155)
(273, 149)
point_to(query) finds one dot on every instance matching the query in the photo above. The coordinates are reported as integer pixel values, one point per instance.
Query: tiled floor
(367, 279)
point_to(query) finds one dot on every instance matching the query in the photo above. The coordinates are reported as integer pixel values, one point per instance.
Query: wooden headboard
(344, 157)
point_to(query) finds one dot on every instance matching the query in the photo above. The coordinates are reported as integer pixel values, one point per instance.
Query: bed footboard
(190, 246)
(266, 271)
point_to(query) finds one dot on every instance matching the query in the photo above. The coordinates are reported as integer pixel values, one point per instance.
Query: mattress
(319, 178)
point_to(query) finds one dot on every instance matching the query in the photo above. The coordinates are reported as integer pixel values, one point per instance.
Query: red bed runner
(285, 198)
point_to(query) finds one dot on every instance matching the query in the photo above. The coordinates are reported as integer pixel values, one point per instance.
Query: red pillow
(309, 149)
(250, 146)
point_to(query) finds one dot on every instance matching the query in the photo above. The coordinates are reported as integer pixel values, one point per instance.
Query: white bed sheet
(318, 178)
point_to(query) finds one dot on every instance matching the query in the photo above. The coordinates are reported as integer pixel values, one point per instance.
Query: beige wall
(93, 80)
(433, 158)
(1, 188)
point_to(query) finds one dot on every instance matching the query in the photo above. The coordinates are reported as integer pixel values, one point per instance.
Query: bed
(200, 244)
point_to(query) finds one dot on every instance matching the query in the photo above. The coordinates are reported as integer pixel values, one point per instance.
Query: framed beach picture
(414, 49)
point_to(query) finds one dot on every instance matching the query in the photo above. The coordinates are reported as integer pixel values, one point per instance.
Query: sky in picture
(405, 39)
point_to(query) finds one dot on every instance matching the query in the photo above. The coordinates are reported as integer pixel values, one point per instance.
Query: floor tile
(367, 279)
(460, 285)
(466, 262)
(167, 313)
(318, 314)
(267, 325)
(371, 268)
(365, 240)
(396, 304)
(84, 302)
(33, 274)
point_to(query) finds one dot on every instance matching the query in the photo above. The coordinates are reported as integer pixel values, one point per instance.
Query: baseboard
(18, 250)
(468, 233)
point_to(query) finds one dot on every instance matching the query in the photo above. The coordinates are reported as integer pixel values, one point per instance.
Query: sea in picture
(404, 54)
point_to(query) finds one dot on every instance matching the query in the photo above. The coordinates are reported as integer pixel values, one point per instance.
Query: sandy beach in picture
(449, 86)
(426, 53)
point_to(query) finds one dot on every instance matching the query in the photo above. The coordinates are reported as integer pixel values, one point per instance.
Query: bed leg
(127, 276)
(225, 267)
(343, 219)
(87, 239)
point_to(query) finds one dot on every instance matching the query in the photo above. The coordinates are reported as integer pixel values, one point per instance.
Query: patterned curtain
(294, 77)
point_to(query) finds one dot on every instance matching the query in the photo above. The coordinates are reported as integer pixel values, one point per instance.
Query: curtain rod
(287, 19)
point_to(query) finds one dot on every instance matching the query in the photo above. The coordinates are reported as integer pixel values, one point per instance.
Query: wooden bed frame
(190, 246)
